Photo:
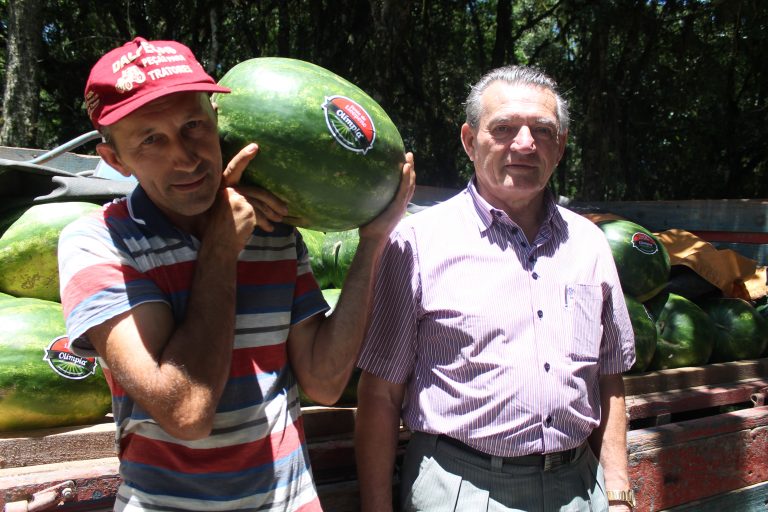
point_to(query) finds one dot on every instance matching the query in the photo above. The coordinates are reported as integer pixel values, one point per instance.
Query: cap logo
(147, 56)
(130, 76)
(144, 48)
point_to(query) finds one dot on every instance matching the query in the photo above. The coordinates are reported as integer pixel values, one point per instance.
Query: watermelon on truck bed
(325, 147)
(641, 259)
(742, 331)
(645, 334)
(42, 384)
(28, 249)
(686, 333)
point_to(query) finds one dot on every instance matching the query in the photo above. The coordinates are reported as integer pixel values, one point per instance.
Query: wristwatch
(627, 497)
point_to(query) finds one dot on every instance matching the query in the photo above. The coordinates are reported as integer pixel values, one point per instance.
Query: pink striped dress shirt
(501, 342)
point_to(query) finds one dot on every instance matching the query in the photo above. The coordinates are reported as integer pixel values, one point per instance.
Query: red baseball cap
(138, 72)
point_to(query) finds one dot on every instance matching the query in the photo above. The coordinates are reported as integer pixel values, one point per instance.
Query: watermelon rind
(645, 334)
(331, 296)
(641, 259)
(278, 103)
(28, 249)
(32, 394)
(686, 333)
(743, 332)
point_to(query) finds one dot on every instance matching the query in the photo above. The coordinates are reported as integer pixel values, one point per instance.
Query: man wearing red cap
(200, 303)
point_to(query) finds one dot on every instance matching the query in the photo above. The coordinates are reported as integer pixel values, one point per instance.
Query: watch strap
(627, 497)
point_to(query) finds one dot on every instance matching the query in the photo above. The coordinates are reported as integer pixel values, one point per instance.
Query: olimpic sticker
(644, 243)
(349, 124)
(67, 364)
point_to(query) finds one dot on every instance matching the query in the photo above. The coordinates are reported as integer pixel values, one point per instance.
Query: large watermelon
(641, 260)
(330, 254)
(42, 384)
(314, 240)
(743, 333)
(686, 334)
(645, 334)
(339, 250)
(326, 147)
(28, 249)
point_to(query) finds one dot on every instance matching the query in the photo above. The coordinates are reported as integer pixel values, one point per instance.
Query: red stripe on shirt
(239, 457)
(255, 360)
(91, 280)
(305, 283)
(266, 272)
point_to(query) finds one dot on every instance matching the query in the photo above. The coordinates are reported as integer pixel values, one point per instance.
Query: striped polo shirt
(256, 456)
(500, 342)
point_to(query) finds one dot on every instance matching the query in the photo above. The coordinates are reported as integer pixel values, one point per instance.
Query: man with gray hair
(499, 333)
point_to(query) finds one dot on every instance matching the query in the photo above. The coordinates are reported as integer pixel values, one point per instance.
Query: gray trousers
(440, 477)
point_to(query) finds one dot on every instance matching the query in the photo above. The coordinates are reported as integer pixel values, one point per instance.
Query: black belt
(545, 461)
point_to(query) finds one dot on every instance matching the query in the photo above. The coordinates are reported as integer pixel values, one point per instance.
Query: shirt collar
(145, 213)
(486, 214)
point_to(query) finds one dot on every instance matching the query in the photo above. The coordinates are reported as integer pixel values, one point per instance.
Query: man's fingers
(234, 170)
(407, 183)
(265, 201)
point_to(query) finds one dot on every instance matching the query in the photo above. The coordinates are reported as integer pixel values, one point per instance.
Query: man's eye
(149, 140)
(502, 130)
(544, 131)
(194, 124)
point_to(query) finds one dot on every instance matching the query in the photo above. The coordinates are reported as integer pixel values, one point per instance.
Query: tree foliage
(668, 96)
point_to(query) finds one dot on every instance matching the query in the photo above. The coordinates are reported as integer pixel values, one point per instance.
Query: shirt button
(546, 366)
(531, 258)
(524, 244)
(540, 313)
(514, 231)
(535, 275)
(549, 420)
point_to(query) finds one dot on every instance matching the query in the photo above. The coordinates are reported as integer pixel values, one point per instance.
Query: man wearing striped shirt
(499, 333)
(200, 303)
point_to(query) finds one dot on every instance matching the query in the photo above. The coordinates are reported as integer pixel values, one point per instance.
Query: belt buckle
(549, 461)
(553, 460)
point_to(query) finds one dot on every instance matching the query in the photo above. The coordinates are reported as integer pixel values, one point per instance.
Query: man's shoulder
(441, 214)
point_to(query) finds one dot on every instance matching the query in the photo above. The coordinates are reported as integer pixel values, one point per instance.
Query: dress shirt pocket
(584, 305)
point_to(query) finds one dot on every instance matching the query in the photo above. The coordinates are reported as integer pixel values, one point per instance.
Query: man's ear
(468, 141)
(110, 156)
(561, 140)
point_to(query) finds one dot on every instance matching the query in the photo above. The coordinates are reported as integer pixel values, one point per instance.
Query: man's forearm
(377, 426)
(340, 335)
(609, 441)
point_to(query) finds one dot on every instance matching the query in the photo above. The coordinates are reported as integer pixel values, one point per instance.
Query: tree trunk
(22, 84)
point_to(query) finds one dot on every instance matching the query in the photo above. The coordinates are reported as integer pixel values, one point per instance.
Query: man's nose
(184, 155)
(524, 141)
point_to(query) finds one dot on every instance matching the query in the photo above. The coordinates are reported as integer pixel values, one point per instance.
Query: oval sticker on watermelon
(66, 363)
(644, 243)
(349, 124)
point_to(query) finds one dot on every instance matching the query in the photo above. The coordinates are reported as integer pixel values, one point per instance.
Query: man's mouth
(191, 185)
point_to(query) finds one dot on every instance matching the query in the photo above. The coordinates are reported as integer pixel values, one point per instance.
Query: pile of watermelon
(42, 383)
(679, 326)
